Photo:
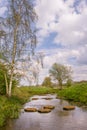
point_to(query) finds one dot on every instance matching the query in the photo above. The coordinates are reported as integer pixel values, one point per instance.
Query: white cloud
(2, 11)
(80, 72)
(48, 11)
(71, 27)
(82, 59)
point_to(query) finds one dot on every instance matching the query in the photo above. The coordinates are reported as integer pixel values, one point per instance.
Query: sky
(62, 35)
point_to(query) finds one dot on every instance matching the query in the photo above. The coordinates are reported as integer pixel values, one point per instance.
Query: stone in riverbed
(47, 98)
(42, 110)
(49, 107)
(30, 109)
(34, 98)
(68, 107)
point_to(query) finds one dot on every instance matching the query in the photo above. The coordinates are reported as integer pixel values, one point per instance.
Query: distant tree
(47, 82)
(69, 82)
(60, 73)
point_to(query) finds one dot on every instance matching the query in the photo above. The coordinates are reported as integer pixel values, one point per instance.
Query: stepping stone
(30, 109)
(42, 110)
(49, 107)
(47, 98)
(68, 107)
(34, 98)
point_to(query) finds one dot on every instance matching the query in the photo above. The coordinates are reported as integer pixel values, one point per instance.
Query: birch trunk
(6, 81)
(13, 61)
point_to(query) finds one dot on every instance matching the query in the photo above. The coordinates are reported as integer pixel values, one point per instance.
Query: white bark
(6, 81)
(13, 61)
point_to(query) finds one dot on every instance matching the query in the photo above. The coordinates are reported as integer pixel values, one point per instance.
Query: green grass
(77, 93)
(25, 92)
(8, 109)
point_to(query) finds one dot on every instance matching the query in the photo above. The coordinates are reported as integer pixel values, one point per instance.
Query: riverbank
(10, 107)
(77, 94)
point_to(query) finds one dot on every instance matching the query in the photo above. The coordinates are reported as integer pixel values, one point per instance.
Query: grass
(23, 93)
(76, 93)
(8, 109)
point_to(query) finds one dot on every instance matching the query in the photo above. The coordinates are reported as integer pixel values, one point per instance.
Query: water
(57, 119)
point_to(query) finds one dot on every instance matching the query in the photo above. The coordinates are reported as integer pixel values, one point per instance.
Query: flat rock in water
(47, 98)
(30, 109)
(68, 107)
(34, 98)
(49, 107)
(42, 110)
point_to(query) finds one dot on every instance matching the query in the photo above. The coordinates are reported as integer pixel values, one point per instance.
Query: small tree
(60, 73)
(47, 82)
(69, 82)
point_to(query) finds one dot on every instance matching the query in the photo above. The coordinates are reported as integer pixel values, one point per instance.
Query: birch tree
(20, 40)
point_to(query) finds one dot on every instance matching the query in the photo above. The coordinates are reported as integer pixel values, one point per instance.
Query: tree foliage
(47, 82)
(3, 71)
(69, 82)
(60, 73)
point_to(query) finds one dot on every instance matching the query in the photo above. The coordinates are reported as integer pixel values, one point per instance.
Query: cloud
(72, 29)
(61, 17)
(2, 11)
(82, 59)
(80, 73)
(50, 14)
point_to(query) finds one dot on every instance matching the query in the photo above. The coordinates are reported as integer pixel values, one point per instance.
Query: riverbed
(57, 119)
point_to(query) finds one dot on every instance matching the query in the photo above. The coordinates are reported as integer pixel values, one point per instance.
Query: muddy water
(57, 119)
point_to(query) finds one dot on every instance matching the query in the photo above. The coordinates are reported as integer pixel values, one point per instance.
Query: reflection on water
(58, 119)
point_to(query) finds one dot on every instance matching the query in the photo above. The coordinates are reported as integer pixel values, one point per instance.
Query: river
(57, 119)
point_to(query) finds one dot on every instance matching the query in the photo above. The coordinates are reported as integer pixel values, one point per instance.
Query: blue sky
(62, 35)
(48, 42)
